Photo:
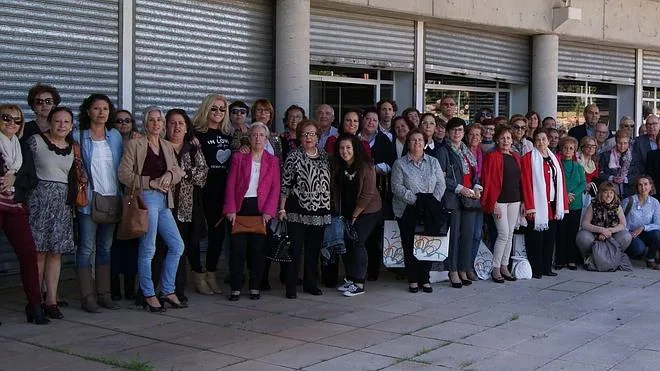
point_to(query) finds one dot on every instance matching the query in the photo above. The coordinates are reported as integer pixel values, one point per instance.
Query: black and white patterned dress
(306, 186)
(51, 219)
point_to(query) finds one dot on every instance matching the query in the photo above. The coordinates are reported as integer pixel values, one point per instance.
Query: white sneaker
(345, 286)
(354, 290)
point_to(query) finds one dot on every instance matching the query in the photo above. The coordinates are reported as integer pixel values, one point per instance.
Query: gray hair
(259, 124)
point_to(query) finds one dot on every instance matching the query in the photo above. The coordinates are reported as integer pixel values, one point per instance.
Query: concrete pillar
(291, 56)
(545, 62)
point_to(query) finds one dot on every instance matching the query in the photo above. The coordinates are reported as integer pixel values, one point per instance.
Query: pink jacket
(268, 190)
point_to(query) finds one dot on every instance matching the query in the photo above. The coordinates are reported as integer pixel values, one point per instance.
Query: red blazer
(268, 190)
(528, 188)
(492, 175)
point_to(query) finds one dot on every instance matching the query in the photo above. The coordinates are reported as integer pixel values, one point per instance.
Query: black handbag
(279, 244)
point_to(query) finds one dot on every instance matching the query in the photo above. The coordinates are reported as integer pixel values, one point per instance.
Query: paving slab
(406, 346)
(450, 331)
(358, 339)
(257, 345)
(415, 366)
(455, 355)
(510, 361)
(304, 355)
(354, 361)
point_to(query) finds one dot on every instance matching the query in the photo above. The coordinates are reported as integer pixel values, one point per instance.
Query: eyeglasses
(489, 128)
(127, 120)
(592, 146)
(627, 126)
(239, 112)
(416, 140)
(216, 109)
(257, 135)
(308, 134)
(487, 115)
(47, 101)
(9, 118)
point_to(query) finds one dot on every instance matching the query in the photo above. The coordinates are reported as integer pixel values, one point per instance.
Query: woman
(521, 145)
(17, 178)
(238, 113)
(643, 221)
(440, 130)
(473, 137)
(253, 189)
(126, 125)
(292, 117)
(428, 125)
(401, 128)
(653, 165)
(501, 198)
(41, 98)
(418, 184)
(101, 149)
(533, 121)
(213, 131)
(305, 203)
(412, 116)
(604, 218)
(188, 210)
(149, 164)
(587, 158)
(613, 165)
(351, 125)
(545, 200)
(462, 198)
(566, 252)
(356, 198)
(51, 202)
(262, 111)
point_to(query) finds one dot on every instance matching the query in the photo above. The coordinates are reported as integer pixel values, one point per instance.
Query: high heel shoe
(165, 299)
(234, 296)
(497, 279)
(427, 289)
(465, 281)
(413, 290)
(456, 285)
(152, 309)
(35, 314)
(52, 311)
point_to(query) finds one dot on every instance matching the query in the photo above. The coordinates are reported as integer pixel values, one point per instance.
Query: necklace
(349, 175)
(314, 155)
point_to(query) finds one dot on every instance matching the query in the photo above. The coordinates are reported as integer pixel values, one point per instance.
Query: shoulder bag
(134, 221)
(81, 178)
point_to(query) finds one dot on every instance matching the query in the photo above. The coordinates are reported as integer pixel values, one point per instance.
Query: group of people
(220, 172)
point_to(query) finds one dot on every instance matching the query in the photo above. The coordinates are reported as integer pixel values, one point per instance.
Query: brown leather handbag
(134, 221)
(249, 224)
(81, 178)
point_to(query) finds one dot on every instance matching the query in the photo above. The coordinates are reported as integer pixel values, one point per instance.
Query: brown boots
(87, 295)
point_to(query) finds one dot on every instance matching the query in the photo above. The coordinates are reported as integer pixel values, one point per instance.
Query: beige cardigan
(135, 152)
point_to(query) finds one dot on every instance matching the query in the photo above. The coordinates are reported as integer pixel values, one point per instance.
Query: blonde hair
(145, 117)
(8, 107)
(200, 120)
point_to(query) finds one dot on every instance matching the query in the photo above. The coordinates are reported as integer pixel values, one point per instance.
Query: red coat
(492, 175)
(528, 190)
(268, 190)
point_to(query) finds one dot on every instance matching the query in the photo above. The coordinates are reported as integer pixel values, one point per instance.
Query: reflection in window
(573, 96)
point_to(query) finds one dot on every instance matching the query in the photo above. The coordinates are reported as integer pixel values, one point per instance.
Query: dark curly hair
(83, 116)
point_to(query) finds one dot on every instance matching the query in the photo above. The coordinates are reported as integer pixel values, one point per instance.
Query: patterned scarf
(467, 158)
(605, 215)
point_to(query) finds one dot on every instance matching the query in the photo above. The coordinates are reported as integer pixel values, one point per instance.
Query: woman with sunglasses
(126, 125)
(213, 130)
(41, 98)
(17, 178)
(521, 145)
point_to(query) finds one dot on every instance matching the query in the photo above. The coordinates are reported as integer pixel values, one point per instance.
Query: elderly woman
(253, 189)
(51, 201)
(126, 125)
(17, 178)
(501, 198)
(350, 125)
(613, 165)
(41, 98)
(418, 184)
(150, 164)
(213, 131)
(589, 161)
(356, 199)
(412, 115)
(545, 200)
(188, 211)
(305, 204)
(643, 221)
(428, 125)
(566, 252)
(401, 128)
(473, 136)
(521, 145)
(292, 117)
(462, 198)
(604, 218)
(101, 149)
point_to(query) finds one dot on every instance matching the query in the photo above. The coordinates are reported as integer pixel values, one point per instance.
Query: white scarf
(11, 153)
(538, 189)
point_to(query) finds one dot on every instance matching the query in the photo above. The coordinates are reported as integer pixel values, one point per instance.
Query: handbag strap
(628, 206)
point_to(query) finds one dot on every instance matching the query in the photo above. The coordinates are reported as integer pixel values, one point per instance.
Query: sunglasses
(47, 101)
(487, 115)
(127, 120)
(516, 127)
(216, 109)
(239, 112)
(9, 118)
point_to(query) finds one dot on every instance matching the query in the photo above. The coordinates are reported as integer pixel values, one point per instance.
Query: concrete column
(126, 73)
(291, 56)
(545, 62)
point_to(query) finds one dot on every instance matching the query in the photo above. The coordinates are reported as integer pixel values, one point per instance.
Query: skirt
(51, 219)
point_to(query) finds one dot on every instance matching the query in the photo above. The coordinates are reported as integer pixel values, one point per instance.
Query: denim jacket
(86, 148)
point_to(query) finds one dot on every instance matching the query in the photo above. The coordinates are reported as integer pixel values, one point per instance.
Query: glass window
(569, 86)
(607, 108)
(504, 104)
(569, 111)
(387, 92)
(573, 96)
(648, 93)
(341, 96)
(355, 73)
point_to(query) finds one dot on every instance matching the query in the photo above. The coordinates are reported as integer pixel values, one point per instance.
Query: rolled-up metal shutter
(477, 54)
(651, 68)
(70, 44)
(356, 40)
(588, 62)
(186, 49)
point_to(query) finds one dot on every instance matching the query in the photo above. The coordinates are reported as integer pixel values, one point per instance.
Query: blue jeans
(161, 222)
(478, 230)
(645, 239)
(93, 236)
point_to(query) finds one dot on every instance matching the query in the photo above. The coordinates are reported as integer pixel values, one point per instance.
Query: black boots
(35, 314)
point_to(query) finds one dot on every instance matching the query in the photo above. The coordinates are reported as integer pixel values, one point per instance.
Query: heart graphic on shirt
(223, 155)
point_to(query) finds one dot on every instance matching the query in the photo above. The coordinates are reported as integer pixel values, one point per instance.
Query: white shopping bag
(392, 250)
(483, 263)
(519, 246)
(431, 248)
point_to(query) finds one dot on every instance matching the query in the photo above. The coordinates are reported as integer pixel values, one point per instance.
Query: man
(549, 123)
(643, 145)
(591, 116)
(386, 109)
(447, 108)
(626, 123)
(553, 140)
(325, 115)
(601, 133)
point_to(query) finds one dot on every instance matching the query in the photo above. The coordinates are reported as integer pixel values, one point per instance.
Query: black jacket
(451, 164)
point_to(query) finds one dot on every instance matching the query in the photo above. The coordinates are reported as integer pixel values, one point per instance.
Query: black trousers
(539, 246)
(309, 237)
(417, 271)
(123, 257)
(213, 201)
(248, 247)
(566, 250)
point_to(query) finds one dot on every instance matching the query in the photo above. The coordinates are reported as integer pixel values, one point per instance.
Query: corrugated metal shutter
(350, 40)
(70, 44)
(186, 49)
(651, 68)
(596, 63)
(477, 54)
